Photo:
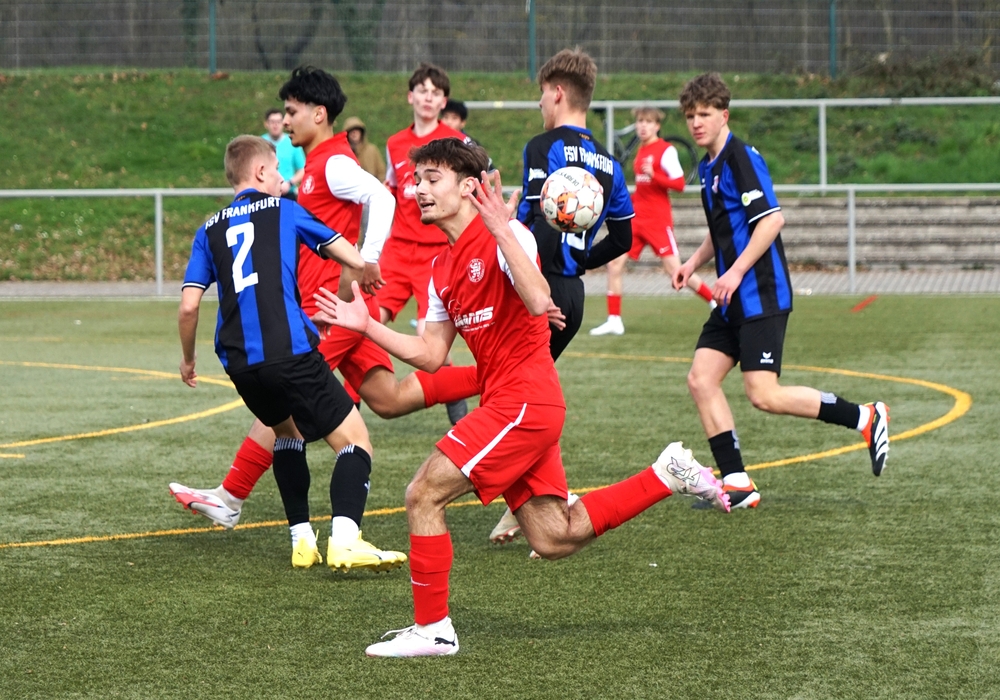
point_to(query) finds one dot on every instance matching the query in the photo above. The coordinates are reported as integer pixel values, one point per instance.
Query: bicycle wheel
(688, 157)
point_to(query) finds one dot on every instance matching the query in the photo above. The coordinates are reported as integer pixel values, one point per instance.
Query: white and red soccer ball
(572, 200)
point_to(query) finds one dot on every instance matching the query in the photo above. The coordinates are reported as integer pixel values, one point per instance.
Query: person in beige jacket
(368, 153)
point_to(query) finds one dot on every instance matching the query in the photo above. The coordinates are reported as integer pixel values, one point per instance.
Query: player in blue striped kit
(267, 345)
(754, 296)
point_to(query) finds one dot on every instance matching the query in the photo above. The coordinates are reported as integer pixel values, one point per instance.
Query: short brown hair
(241, 152)
(707, 89)
(466, 160)
(576, 71)
(436, 74)
(649, 113)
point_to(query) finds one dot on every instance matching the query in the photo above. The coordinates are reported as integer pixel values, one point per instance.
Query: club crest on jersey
(477, 269)
(308, 184)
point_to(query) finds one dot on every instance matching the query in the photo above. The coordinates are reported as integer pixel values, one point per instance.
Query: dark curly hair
(317, 87)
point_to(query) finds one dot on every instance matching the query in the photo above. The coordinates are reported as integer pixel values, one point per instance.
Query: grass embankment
(107, 128)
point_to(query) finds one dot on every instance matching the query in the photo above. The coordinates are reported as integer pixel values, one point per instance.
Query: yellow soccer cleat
(306, 553)
(362, 555)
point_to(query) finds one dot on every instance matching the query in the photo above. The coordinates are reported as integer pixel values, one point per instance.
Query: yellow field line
(963, 402)
(129, 428)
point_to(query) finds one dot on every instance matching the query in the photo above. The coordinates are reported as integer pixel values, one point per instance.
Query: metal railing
(819, 104)
(157, 193)
(851, 190)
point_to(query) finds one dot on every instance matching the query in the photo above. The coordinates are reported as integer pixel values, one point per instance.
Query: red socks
(704, 292)
(430, 566)
(249, 464)
(614, 304)
(448, 384)
(611, 506)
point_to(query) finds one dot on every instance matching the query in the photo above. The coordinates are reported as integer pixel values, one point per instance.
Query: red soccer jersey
(651, 200)
(406, 225)
(471, 286)
(341, 215)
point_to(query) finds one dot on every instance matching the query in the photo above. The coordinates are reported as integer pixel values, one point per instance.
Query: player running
(267, 344)
(754, 293)
(334, 188)
(567, 83)
(658, 171)
(488, 288)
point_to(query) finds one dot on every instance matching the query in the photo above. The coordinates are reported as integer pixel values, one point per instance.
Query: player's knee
(698, 383)
(761, 398)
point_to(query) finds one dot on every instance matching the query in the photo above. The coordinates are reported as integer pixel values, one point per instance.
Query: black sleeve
(614, 245)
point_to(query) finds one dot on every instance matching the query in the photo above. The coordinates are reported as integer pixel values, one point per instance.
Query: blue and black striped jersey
(566, 253)
(737, 193)
(250, 250)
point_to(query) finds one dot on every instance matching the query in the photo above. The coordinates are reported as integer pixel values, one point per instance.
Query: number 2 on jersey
(232, 238)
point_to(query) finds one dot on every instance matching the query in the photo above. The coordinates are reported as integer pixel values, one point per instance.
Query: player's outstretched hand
(188, 375)
(334, 311)
(556, 317)
(487, 198)
(371, 278)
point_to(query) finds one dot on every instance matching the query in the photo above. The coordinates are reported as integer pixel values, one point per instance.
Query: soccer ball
(572, 200)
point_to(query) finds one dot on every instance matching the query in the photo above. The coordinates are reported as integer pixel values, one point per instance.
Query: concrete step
(889, 230)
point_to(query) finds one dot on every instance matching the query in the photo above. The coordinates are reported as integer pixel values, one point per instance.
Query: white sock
(864, 417)
(228, 498)
(302, 531)
(740, 480)
(441, 625)
(343, 530)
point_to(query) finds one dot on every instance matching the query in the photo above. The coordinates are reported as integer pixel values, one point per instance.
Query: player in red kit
(406, 260)
(657, 172)
(334, 189)
(488, 287)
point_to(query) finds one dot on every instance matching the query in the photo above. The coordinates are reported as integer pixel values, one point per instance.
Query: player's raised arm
(528, 280)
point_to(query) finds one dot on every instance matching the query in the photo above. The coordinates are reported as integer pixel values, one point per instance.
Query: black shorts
(302, 387)
(568, 294)
(756, 344)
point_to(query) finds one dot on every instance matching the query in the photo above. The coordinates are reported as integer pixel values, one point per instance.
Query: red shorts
(352, 353)
(406, 269)
(658, 237)
(511, 450)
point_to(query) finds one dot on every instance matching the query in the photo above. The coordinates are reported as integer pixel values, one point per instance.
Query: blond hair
(649, 114)
(241, 152)
(575, 71)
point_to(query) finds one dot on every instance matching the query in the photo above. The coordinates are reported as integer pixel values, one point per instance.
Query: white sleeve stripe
(534, 196)
(199, 285)
(763, 214)
(621, 218)
(328, 242)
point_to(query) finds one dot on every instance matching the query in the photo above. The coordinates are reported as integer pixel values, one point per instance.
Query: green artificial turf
(839, 585)
(113, 128)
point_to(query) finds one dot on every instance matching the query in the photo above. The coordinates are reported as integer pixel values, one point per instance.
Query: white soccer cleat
(507, 530)
(613, 326)
(682, 473)
(876, 435)
(206, 503)
(438, 639)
